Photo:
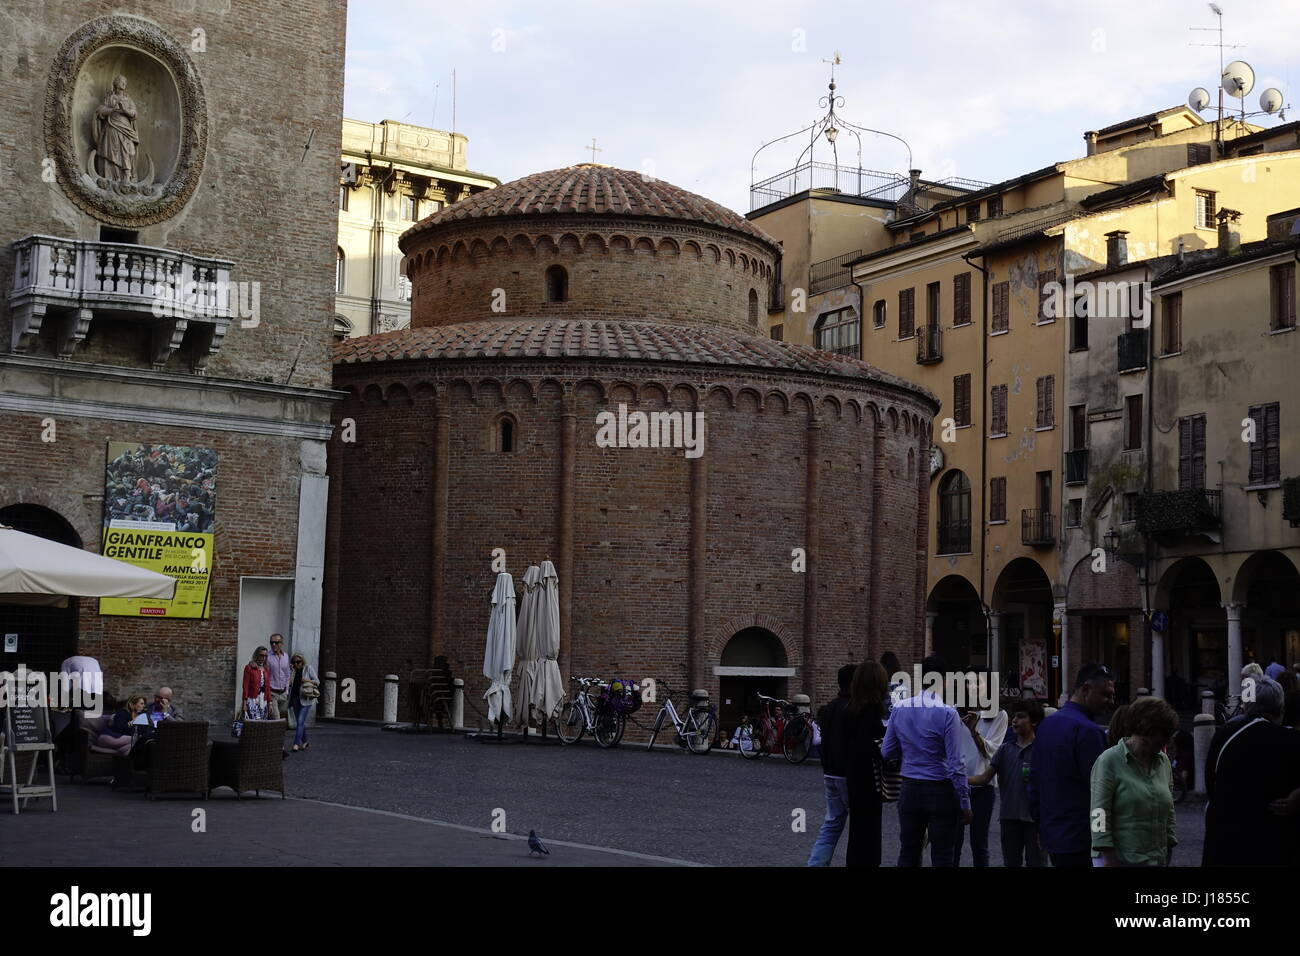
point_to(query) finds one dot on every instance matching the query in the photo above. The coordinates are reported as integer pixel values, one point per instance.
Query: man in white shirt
(985, 731)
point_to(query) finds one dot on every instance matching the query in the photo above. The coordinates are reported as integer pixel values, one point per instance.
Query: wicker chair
(86, 760)
(179, 757)
(255, 763)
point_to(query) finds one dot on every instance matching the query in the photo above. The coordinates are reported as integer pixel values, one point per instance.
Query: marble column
(1234, 609)
(995, 643)
(930, 618)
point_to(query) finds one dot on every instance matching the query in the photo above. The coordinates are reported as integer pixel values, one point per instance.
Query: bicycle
(582, 715)
(695, 731)
(787, 729)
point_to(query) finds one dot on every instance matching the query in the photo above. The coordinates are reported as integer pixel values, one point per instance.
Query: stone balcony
(70, 282)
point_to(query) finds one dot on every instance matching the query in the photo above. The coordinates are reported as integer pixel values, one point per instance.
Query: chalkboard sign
(28, 728)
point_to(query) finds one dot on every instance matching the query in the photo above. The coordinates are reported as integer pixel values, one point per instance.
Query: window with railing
(929, 344)
(1037, 527)
(840, 332)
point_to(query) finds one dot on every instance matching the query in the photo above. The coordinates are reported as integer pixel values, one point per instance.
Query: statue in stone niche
(115, 137)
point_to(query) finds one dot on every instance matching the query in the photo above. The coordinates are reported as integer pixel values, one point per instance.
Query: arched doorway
(752, 662)
(47, 636)
(1269, 585)
(1023, 639)
(957, 628)
(1196, 648)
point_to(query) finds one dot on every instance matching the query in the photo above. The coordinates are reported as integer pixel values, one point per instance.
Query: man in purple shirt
(279, 674)
(925, 733)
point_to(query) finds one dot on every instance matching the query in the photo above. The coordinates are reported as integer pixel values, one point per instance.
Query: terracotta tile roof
(591, 188)
(542, 338)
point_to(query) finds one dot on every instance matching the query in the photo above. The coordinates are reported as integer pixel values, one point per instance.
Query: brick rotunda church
(542, 304)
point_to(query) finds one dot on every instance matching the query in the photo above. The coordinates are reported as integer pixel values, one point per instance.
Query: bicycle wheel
(654, 732)
(609, 730)
(569, 726)
(797, 740)
(767, 737)
(748, 741)
(700, 728)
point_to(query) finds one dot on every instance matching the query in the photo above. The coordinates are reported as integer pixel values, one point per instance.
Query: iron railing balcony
(1132, 349)
(1037, 528)
(954, 537)
(78, 279)
(831, 273)
(1076, 467)
(1179, 512)
(929, 344)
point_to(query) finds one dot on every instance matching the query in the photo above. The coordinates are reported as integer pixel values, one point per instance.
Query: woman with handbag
(304, 689)
(257, 687)
(865, 727)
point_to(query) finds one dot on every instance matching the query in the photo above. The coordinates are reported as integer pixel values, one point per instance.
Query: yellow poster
(160, 505)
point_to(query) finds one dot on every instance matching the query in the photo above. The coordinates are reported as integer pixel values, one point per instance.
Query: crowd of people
(167, 483)
(1070, 787)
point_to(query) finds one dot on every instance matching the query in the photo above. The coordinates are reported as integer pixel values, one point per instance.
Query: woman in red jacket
(257, 687)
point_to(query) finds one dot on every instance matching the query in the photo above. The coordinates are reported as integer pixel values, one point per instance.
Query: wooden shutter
(961, 398)
(1256, 476)
(1185, 453)
(1265, 451)
(999, 402)
(961, 299)
(998, 499)
(1046, 401)
(1044, 279)
(1173, 323)
(1001, 306)
(906, 313)
(1051, 399)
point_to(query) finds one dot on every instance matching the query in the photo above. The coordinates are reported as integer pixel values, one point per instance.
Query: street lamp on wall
(1111, 539)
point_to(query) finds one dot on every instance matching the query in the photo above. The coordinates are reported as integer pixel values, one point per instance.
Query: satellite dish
(1270, 101)
(1199, 98)
(1238, 78)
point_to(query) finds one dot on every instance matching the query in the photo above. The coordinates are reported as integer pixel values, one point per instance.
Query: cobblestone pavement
(361, 796)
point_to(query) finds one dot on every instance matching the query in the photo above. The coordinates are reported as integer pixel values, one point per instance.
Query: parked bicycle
(583, 714)
(695, 731)
(782, 728)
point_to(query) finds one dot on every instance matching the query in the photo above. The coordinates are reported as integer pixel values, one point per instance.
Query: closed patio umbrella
(526, 634)
(499, 654)
(548, 691)
(35, 570)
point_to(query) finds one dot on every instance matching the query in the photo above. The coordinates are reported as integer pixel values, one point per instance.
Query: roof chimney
(1229, 232)
(1090, 138)
(1116, 249)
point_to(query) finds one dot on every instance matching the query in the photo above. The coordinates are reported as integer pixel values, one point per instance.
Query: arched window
(954, 513)
(753, 308)
(840, 332)
(505, 434)
(557, 284)
(340, 268)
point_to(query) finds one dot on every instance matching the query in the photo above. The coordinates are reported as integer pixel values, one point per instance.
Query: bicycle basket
(624, 696)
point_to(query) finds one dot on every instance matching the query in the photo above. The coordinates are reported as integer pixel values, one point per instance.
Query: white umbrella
(527, 635)
(548, 690)
(37, 570)
(499, 655)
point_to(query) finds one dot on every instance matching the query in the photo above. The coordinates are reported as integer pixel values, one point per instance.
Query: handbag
(309, 690)
(889, 780)
(237, 727)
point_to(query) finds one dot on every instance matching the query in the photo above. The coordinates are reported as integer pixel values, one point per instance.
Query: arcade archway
(47, 636)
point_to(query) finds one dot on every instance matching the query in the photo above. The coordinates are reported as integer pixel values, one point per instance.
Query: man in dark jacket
(835, 770)
(1067, 745)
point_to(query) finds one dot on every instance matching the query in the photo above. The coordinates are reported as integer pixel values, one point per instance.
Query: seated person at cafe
(118, 737)
(162, 707)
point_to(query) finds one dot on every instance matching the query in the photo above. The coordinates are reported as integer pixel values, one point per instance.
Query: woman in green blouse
(1132, 816)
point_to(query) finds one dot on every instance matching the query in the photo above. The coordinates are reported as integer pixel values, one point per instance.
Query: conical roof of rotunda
(592, 189)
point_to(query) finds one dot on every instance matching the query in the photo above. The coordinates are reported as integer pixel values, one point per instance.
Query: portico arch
(47, 636)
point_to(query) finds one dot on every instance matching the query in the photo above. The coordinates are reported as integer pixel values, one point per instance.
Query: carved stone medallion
(126, 121)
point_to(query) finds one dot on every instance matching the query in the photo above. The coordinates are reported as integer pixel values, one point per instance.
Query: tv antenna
(1236, 79)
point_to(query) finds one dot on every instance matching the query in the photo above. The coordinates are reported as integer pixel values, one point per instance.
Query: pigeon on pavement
(535, 845)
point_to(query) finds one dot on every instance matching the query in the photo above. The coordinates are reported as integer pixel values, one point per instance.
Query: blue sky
(688, 90)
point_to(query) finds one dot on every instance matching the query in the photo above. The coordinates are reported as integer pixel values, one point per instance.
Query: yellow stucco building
(391, 175)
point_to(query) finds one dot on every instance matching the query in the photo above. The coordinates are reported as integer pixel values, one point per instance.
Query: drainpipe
(984, 445)
(1157, 684)
(862, 316)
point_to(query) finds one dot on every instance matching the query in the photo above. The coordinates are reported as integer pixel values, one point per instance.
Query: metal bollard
(328, 692)
(1202, 733)
(458, 704)
(390, 698)
(1207, 702)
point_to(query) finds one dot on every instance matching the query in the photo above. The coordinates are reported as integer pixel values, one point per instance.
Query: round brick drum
(585, 381)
